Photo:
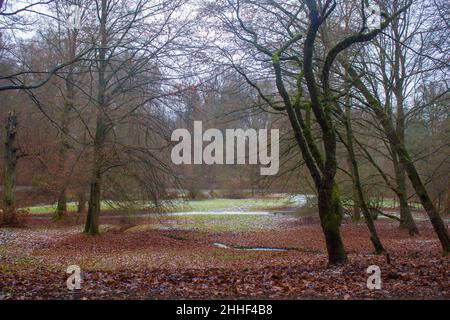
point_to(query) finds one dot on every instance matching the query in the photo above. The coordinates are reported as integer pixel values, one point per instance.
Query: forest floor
(177, 257)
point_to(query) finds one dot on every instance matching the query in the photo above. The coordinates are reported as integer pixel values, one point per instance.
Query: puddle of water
(224, 246)
(297, 199)
(221, 245)
(300, 200)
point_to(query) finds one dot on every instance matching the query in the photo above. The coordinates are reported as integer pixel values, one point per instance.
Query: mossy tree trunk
(330, 212)
(61, 206)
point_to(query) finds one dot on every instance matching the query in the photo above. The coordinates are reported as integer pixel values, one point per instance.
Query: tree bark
(10, 163)
(356, 215)
(94, 207)
(330, 212)
(61, 208)
(436, 220)
(81, 207)
(447, 200)
(379, 249)
(330, 207)
(406, 220)
(356, 207)
(93, 214)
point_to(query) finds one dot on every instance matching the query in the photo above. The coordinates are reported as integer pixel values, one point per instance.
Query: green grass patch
(184, 206)
(229, 223)
(208, 223)
(235, 204)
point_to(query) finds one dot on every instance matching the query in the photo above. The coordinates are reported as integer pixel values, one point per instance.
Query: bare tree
(131, 40)
(394, 131)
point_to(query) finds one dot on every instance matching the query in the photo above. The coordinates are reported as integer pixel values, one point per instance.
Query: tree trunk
(81, 207)
(447, 200)
(379, 249)
(61, 207)
(10, 163)
(330, 212)
(93, 214)
(377, 245)
(356, 216)
(436, 220)
(356, 212)
(406, 219)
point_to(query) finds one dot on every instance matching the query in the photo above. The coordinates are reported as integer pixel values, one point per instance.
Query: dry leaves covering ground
(162, 258)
